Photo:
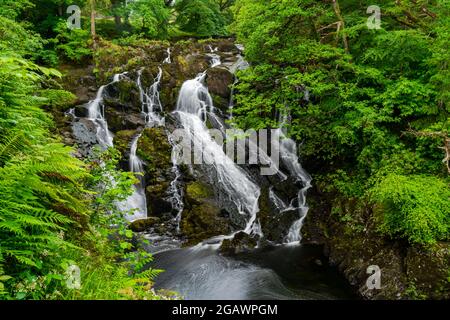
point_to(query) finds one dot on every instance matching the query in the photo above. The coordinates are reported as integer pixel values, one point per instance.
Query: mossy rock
(141, 225)
(157, 205)
(241, 243)
(197, 191)
(155, 149)
(203, 221)
(428, 271)
(122, 140)
(219, 81)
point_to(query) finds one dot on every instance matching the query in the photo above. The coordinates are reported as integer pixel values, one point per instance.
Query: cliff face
(346, 229)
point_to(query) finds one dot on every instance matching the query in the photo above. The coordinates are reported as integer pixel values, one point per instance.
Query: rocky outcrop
(141, 225)
(240, 243)
(202, 217)
(348, 232)
(154, 149)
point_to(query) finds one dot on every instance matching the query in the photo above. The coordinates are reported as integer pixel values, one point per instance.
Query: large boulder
(141, 225)
(219, 81)
(275, 224)
(240, 243)
(202, 217)
(155, 150)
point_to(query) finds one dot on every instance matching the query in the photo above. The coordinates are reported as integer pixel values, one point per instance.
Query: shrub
(415, 207)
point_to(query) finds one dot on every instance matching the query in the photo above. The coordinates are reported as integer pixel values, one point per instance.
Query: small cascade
(289, 156)
(194, 103)
(137, 201)
(168, 58)
(175, 188)
(215, 58)
(151, 103)
(96, 113)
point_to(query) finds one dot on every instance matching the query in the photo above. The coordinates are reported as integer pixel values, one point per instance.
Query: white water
(175, 188)
(289, 156)
(150, 100)
(168, 58)
(137, 201)
(215, 58)
(194, 103)
(96, 111)
(151, 104)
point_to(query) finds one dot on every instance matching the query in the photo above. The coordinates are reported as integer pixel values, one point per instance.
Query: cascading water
(289, 156)
(96, 113)
(137, 201)
(168, 58)
(175, 188)
(193, 104)
(200, 272)
(150, 100)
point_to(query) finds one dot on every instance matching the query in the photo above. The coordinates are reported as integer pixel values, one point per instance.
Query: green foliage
(415, 207)
(150, 17)
(376, 107)
(73, 45)
(56, 211)
(200, 17)
(15, 38)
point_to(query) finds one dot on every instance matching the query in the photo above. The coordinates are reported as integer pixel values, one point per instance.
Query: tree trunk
(341, 26)
(93, 32)
(118, 22)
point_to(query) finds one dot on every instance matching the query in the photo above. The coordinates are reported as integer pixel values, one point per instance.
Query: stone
(141, 225)
(240, 243)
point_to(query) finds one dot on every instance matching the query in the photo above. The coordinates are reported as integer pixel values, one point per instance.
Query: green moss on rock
(123, 139)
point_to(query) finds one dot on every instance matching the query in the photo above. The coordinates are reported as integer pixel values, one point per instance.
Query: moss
(143, 224)
(202, 222)
(123, 139)
(126, 89)
(154, 149)
(198, 190)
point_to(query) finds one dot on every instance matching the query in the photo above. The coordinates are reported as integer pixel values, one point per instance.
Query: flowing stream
(284, 270)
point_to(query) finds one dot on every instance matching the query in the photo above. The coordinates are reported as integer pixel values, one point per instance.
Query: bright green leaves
(200, 17)
(150, 17)
(414, 207)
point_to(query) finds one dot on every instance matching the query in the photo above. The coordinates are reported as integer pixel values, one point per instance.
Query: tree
(200, 17)
(150, 17)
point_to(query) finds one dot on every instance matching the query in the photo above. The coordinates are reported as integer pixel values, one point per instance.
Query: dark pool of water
(281, 272)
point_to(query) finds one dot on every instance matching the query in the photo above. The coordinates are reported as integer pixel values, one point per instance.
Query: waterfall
(137, 201)
(150, 100)
(168, 58)
(175, 188)
(96, 111)
(215, 58)
(289, 156)
(194, 103)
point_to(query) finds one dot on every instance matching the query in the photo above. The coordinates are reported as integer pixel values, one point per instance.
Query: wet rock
(202, 218)
(219, 81)
(274, 224)
(427, 270)
(123, 120)
(122, 141)
(192, 64)
(241, 243)
(141, 225)
(85, 133)
(157, 202)
(155, 150)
